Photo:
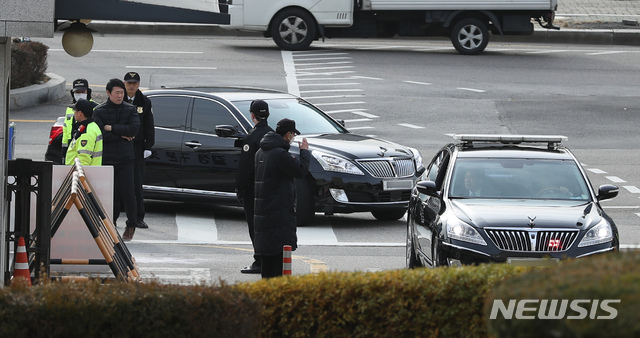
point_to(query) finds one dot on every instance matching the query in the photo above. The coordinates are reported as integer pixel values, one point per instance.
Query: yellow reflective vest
(87, 146)
(69, 120)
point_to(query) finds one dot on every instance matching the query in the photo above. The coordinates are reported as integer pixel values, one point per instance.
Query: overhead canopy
(120, 10)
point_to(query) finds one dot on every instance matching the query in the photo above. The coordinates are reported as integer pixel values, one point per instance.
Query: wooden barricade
(76, 190)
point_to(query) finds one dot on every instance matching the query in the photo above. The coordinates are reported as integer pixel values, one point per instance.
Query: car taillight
(55, 131)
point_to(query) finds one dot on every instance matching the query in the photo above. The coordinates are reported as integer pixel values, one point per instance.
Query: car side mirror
(224, 130)
(341, 123)
(607, 191)
(427, 188)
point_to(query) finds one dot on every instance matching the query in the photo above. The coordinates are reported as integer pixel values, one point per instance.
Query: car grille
(532, 240)
(381, 197)
(388, 167)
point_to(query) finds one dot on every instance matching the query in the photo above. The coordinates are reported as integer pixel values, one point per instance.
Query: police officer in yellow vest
(86, 141)
(80, 90)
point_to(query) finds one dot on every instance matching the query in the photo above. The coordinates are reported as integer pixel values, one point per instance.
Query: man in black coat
(144, 140)
(275, 219)
(245, 179)
(119, 123)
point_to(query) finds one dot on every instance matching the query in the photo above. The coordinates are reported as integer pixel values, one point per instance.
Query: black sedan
(199, 133)
(524, 200)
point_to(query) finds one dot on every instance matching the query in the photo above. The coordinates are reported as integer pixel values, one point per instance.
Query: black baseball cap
(286, 125)
(80, 84)
(84, 106)
(259, 108)
(131, 77)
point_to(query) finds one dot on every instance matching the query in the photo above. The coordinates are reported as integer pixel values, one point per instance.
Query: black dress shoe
(142, 225)
(251, 269)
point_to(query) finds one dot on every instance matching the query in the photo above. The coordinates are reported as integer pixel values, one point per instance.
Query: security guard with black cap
(86, 142)
(144, 140)
(246, 176)
(80, 90)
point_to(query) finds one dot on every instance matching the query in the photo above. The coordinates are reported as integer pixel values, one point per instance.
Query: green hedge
(442, 302)
(602, 277)
(28, 63)
(126, 310)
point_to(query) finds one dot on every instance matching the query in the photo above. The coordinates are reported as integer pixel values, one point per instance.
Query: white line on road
(316, 235)
(615, 179)
(632, 189)
(329, 90)
(361, 113)
(597, 171)
(419, 83)
(356, 120)
(195, 229)
(606, 53)
(170, 67)
(356, 128)
(330, 84)
(472, 90)
(344, 111)
(339, 103)
(412, 126)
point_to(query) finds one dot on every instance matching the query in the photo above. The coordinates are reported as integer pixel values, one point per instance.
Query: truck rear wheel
(470, 36)
(293, 29)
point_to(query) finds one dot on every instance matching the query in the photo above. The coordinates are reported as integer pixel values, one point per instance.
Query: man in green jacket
(86, 141)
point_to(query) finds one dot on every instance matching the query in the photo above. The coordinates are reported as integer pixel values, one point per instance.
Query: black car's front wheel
(389, 214)
(293, 29)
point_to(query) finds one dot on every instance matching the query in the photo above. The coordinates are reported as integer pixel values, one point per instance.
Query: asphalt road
(411, 91)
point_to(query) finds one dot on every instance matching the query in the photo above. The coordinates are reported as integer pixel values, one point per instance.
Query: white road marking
(356, 120)
(170, 67)
(615, 179)
(597, 171)
(316, 235)
(607, 52)
(323, 68)
(632, 189)
(181, 276)
(412, 126)
(331, 97)
(290, 73)
(324, 73)
(419, 83)
(357, 128)
(329, 91)
(361, 113)
(132, 51)
(195, 229)
(472, 90)
(303, 54)
(329, 84)
(324, 63)
(344, 111)
(339, 103)
(367, 78)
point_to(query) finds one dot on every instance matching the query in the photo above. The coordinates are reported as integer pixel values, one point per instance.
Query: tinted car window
(207, 114)
(521, 178)
(308, 119)
(170, 111)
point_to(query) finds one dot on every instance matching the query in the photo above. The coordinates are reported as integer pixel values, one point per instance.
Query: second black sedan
(199, 133)
(520, 199)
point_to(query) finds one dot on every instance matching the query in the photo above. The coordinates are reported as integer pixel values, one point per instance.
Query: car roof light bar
(469, 139)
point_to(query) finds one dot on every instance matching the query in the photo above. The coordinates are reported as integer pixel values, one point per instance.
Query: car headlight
(417, 157)
(336, 163)
(464, 232)
(601, 233)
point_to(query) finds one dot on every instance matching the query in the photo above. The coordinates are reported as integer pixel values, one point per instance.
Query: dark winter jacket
(276, 168)
(124, 121)
(146, 134)
(246, 165)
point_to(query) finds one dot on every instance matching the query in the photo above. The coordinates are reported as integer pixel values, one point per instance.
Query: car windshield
(517, 179)
(309, 120)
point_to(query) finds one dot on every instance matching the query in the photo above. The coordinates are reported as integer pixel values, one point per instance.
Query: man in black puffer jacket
(275, 191)
(119, 123)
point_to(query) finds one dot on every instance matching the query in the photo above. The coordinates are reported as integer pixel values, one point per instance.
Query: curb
(37, 94)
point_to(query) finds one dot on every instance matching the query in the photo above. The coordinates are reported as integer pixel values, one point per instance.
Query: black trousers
(271, 266)
(249, 196)
(138, 180)
(124, 191)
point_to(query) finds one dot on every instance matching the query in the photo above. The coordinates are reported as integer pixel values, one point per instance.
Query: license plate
(533, 261)
(397, 185)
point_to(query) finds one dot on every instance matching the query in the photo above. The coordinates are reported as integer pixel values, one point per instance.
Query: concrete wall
(28, 18)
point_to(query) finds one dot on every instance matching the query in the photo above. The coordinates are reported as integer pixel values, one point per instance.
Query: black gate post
(27, 180)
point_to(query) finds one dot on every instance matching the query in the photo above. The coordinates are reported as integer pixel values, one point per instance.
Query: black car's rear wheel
(389, 214)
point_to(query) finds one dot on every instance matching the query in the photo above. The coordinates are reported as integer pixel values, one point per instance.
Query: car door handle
(193, 144)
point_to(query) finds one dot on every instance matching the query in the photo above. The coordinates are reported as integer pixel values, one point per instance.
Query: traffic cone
(21, 267)
(286, 260)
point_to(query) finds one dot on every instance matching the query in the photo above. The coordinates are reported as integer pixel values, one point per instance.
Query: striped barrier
(286, 260)
(77, 190)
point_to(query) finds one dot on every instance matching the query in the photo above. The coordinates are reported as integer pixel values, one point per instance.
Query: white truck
(294, 24)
